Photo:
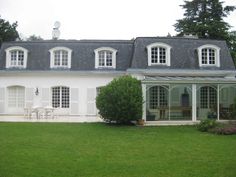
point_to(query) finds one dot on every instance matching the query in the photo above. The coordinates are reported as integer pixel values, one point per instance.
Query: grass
(99, 150)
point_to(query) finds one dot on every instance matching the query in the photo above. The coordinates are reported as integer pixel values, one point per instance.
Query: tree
(8, 31)
(204, 18)
(121, 100)
(34, 38)
(232, 45)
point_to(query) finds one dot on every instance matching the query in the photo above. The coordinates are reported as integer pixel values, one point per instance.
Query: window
(16, 97)
(158, 97)
(98, 90)
(16, 57)
(60, 57)
(209, 55)
(105, 57)
(60, 97)
(158, 54)
(208, 97)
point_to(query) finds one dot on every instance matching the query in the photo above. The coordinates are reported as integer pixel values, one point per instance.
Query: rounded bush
(121, 100)
(206, 124)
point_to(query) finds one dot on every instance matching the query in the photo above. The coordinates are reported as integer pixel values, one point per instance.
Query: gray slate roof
(130, 53)
(183, 53)
(83, 56)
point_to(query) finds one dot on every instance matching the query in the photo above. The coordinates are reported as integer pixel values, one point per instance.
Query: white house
(183, 79)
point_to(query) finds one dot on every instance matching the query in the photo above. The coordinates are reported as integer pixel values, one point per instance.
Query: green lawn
(69, 150)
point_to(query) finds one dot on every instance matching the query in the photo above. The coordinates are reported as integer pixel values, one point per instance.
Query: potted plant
(140, 122)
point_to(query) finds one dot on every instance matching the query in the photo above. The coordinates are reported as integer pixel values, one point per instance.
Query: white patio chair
(48, 111)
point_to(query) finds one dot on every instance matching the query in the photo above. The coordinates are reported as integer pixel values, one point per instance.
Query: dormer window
(16, 57)
(158, 54)
(209, 55)
(60, 57)
(105, 57)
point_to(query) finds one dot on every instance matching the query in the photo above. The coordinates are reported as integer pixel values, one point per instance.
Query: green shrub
(206, 124)
(121, 100)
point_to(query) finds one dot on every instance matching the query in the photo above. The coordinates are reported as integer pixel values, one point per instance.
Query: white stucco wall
(82, 90)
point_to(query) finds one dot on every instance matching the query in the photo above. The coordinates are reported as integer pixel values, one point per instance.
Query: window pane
(212, 97)
(20, 58)
(153, 98)
(162, 96)
(154, 55)
(211, 56)
(162, 55)
(204, 56)
(101, 58)
(108, 58)
(204, 97)
(56, 97)
(65, 95)
(57, 58)
(13, 58)
(64, 58)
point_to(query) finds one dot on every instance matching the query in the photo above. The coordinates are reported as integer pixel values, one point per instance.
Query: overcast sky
(97, 19)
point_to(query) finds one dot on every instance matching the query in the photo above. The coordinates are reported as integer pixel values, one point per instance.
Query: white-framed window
(158, 97)
(105, 57)
(16, 57)
(158, 54)
(16, 97)
(98, 90)
(60, 57)
(209, 55)
(208, 97)
(61, 97)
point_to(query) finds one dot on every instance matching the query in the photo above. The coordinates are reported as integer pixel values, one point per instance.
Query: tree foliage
(34, 38)
(204, 18)
(8, 31)
(121, 100)
(232, 47)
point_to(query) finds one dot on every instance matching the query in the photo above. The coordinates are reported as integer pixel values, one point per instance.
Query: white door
(16, 99)
(61, 100)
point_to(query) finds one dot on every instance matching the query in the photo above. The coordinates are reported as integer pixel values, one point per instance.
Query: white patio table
(39, 111)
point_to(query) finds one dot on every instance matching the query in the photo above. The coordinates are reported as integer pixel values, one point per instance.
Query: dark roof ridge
(73, 41)
(177, 37)
(110, 40)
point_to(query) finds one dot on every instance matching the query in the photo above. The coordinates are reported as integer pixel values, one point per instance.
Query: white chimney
(56, 31)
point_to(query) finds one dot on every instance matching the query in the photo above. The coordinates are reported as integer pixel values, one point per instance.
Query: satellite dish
(57, 24)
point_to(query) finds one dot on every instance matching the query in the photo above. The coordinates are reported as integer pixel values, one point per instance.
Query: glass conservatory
(188, 99)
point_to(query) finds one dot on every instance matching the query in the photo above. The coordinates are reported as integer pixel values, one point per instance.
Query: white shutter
(29, 97)
(74, 101)
(45, 97)
(91, 105)
(2, 100)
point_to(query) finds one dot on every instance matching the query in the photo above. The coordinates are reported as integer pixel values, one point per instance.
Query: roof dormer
(209, 55)
(60, 57)
(105, 57)
(16, 57)
(158, 54)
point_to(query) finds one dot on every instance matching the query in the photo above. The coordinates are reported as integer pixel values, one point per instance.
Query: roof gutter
(61, 72)
(183, 72)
